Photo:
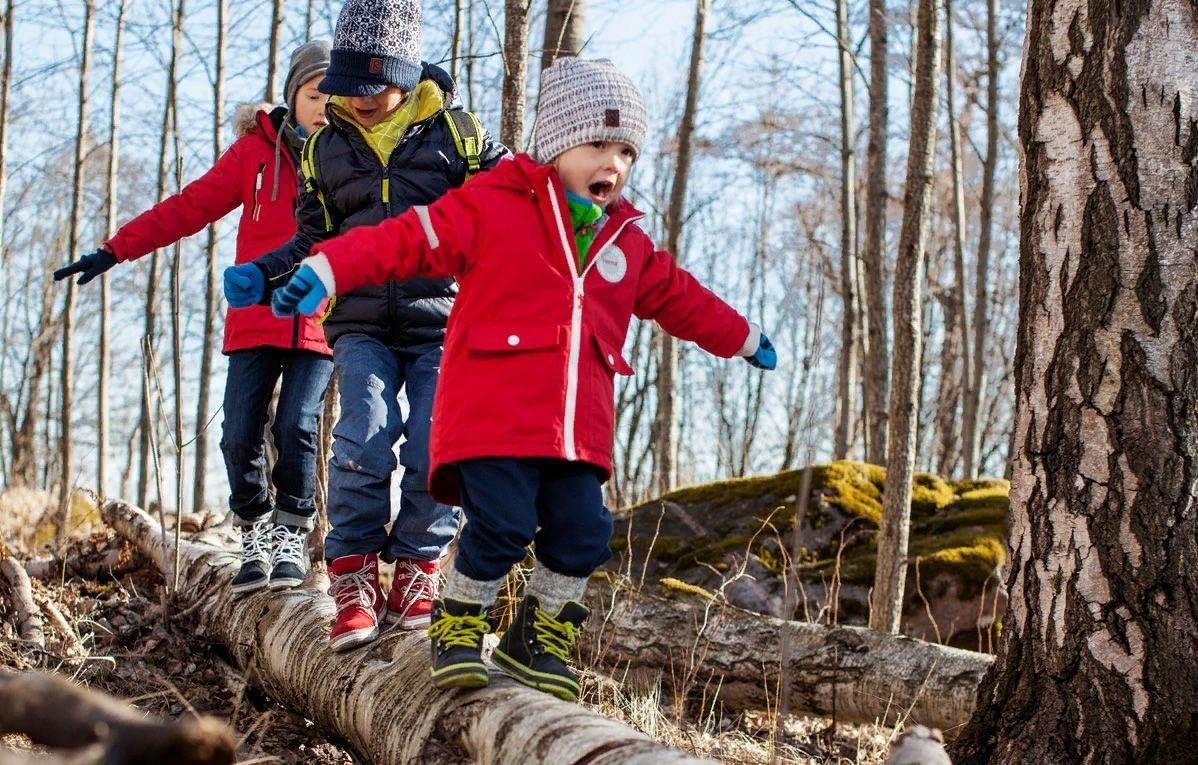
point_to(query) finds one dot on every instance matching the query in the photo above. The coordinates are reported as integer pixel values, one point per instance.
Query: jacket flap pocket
(514, 338)
(612, 357)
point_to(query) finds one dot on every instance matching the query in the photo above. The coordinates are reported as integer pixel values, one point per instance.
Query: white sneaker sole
(248, 587)
(351, 640)
(285, 584)
(406, 623)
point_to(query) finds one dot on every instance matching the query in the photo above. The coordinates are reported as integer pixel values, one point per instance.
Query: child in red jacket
(551, 267)
(258, 173)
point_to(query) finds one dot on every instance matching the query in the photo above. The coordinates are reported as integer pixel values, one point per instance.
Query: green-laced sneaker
(536, 648)
(456, 636)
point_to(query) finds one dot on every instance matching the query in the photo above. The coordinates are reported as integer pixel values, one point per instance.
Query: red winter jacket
(532, 347)
(242, 177)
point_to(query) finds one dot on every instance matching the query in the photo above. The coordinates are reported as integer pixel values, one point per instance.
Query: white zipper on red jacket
(571, 403)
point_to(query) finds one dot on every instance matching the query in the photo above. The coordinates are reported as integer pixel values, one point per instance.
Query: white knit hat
(583, 101)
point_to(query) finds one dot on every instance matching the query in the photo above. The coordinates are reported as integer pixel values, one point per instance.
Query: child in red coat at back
(551, 266)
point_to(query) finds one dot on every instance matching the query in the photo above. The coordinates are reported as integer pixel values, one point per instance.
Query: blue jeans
(249, 385)
(370, 376)
(511, 503)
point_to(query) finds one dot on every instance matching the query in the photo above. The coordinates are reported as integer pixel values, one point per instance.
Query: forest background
(765, 222)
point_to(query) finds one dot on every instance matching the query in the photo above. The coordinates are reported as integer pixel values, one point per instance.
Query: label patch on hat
(611, 118)
(376, 66)
(613, 264)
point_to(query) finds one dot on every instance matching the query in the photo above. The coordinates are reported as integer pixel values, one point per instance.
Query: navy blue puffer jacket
(351, 187)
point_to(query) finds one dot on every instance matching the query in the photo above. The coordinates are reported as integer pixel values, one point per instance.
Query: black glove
(90, 266)
(441, 77)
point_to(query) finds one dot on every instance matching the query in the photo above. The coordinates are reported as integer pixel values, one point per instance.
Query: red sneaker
(354, 585)
(413, 590)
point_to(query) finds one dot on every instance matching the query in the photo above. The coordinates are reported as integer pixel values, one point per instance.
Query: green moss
(970, 565)
(929, 493)
(714, 553)
(781, 484)
(685, 588)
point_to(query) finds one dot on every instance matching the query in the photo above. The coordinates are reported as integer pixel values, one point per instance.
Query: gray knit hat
(307, 61)
(376, 44)
(583, 101)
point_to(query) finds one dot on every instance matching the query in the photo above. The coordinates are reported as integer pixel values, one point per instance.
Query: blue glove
(91, 266)
(301, 295)
(244, 285)
(765, 357)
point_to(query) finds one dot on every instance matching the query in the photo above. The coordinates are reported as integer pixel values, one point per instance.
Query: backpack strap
(308, 169)
(467, 134)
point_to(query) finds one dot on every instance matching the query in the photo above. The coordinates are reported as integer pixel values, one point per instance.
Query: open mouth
(601, 189)
(364, 114)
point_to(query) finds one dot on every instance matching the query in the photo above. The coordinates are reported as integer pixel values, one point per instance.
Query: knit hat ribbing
(376, 44)
(307, 61)
(583, 101)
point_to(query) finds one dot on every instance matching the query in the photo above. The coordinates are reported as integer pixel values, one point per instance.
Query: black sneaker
(289, 558)
(536, 648)
(456, 637)
(255, 558)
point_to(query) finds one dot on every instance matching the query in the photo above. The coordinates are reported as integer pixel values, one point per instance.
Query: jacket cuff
(752, 342)
(320, 264)
(268, 286)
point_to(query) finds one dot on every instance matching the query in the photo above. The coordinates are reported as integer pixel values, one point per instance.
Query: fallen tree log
(54, 713)
(850, 673)
(20, 590)
(379, 698)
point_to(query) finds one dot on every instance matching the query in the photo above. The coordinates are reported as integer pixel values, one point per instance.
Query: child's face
(371, 110)
(596, 171)
(309, 106)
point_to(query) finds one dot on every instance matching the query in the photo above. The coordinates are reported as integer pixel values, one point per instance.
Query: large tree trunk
(380, 699)
(65, 479)
(114, 121)
(515, 72)
(1096, 660)
(969, 416)
(563, 30)
(981, 298)
(876, 385)
(211, 305)
(665, 435)
(887, 601)
(846, 373)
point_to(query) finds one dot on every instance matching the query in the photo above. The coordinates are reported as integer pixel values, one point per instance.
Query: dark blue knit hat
(376, 44)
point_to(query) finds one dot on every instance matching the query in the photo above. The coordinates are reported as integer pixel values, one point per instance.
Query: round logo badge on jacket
(612, 264)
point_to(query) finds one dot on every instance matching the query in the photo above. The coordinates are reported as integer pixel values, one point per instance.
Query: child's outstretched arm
(686, 309)
(434, 241)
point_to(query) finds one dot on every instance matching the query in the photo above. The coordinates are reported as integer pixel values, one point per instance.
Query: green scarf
(584, 215)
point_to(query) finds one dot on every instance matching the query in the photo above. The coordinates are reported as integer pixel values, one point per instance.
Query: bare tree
(968, 427)
(665, 438)
(515, 72)
(1096, 658)
(272, 54)
(455, 40)
(981, 300)
(889, 582)
(146, 440)
(66, 480)
(114, 120)
(5, 95)
(846, 375)
(198, 498)
(309, 13)
(876, 385)
(563, 29)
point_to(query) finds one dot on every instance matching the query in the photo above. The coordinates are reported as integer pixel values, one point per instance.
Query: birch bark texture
(515, 73)
(1096, 661)
(890, 578)
(846, 372)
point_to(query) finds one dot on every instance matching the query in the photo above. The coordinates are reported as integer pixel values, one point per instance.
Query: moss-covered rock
(701, 535)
